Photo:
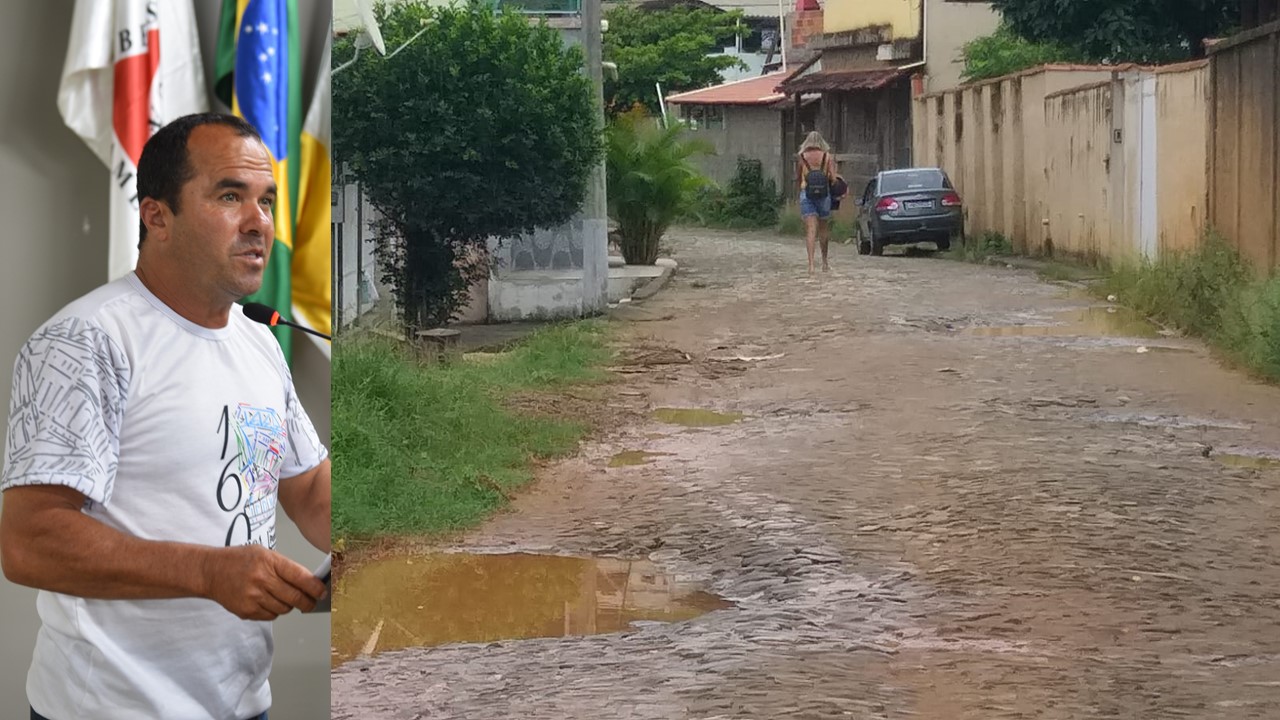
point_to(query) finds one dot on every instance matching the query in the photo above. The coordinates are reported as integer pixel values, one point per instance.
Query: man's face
(224, 230)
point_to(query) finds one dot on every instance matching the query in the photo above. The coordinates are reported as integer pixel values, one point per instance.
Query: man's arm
(46, 542)
(306, 500)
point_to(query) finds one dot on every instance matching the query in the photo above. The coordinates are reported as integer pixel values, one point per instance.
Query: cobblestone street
(938, 504)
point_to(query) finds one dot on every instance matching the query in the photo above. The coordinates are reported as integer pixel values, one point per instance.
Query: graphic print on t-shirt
(247, 486)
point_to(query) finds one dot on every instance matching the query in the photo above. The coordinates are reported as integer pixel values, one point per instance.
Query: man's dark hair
(165, 165)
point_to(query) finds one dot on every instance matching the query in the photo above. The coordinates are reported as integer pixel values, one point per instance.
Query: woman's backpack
(816, 183)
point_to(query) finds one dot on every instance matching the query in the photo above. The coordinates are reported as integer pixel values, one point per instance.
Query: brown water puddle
(1086, 322)
(1247, 461)
(628, 458)
(444, 598)
(695, 417)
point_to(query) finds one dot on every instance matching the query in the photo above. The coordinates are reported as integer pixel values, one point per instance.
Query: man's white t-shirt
(172, 431)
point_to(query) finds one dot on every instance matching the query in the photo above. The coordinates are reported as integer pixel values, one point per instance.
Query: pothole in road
(1257, 462)
(1085, 322)
(444, 598)
(628, 458)
(696, 417)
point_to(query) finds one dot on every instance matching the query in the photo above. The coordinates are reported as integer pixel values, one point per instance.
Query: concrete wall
(1080, 168)
(902, 16)
(1182, 134)
(55, 209)
(1099, 164)
(748, 131)
(948, 25)
(357, 288)
(560, 272)
(1244, 152)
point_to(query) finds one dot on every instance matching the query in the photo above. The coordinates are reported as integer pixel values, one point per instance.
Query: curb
(651, 288)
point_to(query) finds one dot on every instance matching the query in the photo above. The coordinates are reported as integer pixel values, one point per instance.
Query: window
(714, 117)
(913, 180)
(703, 117)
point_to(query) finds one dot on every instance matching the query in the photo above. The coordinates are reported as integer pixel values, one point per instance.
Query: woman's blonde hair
(814, 140)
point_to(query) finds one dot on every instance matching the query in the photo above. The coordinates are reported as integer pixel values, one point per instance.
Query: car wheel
(860, 240)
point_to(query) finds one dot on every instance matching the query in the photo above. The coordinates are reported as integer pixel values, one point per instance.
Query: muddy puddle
(1084, 322)
(628, 458)
(428, 600)
(1256, 462)
(696, 417)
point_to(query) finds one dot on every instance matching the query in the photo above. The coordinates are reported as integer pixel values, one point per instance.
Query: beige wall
(55, 210)
(1182, 100)
(948, 26)
(903, 16)
(1079, 167)
(1035, 158)
(1244, 153)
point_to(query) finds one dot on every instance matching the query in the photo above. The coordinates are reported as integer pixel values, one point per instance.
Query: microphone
(264, 314)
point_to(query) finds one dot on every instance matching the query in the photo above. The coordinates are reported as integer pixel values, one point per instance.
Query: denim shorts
(821, 208)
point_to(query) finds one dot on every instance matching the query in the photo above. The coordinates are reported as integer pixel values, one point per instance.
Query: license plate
(918, 204)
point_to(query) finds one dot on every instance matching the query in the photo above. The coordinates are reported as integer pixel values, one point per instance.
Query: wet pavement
(910, 518)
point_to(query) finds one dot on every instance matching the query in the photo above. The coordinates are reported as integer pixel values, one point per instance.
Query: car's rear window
(911, 180)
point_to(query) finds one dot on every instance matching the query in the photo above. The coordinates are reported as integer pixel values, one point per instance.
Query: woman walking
(816, 172)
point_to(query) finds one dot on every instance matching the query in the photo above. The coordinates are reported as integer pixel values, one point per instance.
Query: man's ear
(155, 215)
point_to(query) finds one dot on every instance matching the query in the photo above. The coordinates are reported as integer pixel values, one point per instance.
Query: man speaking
(152, 435)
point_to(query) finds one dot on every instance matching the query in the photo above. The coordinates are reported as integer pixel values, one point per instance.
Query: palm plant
(651, 181)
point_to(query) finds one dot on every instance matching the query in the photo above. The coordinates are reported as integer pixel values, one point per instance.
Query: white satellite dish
(371, 25)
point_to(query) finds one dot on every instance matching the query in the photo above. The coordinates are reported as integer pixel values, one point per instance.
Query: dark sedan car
(901, 207)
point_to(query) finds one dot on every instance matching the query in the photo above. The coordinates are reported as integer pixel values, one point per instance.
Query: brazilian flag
(258, 77)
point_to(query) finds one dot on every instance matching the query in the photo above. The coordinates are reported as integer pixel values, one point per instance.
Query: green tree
(664, 46)
(483, 126)
(650, 181)
(1005, 52)
(1122, 30)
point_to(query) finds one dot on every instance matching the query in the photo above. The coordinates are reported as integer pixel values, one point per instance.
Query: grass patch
(423, 449)
(978, 249)
(1056, 271)
(1211, 293)
(790, 223)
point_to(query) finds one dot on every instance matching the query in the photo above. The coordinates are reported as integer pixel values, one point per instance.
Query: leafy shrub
(483, 126)
(748, 201)
(651, 181)
(1005, 52)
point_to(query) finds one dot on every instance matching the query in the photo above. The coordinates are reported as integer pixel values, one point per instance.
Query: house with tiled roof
(746, 116)
(870, 58)
(743, 118)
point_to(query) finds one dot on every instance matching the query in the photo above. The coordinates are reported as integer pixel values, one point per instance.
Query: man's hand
(46, 542)
(255, 583)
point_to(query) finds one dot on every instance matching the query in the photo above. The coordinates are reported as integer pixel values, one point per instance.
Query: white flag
(132, 66)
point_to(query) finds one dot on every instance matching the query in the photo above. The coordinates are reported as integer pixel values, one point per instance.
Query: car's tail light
(887, 205)
(951, 200)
